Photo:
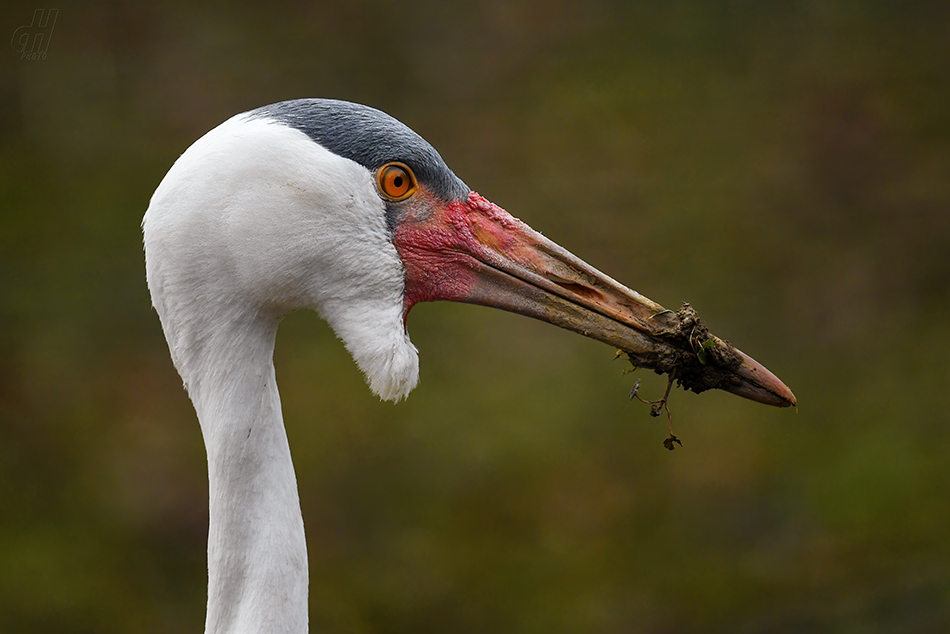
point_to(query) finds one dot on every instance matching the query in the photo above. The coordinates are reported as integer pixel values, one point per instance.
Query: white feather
(255, 220)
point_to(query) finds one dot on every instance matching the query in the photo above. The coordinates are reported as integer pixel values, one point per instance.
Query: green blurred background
(783, 166)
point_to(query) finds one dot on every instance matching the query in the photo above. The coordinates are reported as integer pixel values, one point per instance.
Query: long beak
(473, 251)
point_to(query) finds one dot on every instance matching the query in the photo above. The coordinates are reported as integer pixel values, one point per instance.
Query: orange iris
(396, 181)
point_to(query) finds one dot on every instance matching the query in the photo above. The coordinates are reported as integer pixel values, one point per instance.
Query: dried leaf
(669, 442)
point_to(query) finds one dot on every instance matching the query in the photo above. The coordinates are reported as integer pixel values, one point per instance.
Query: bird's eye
(396, 181)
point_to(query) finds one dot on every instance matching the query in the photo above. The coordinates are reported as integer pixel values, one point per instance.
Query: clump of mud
(688, 353)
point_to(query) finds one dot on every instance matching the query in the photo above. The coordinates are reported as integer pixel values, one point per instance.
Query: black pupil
(398, 182)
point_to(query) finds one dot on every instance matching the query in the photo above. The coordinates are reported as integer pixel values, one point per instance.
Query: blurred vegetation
(783, 166)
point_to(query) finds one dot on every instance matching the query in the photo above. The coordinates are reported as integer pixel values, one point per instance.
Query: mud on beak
(473, 251)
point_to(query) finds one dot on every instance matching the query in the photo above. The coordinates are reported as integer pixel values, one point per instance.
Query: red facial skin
(435, 246)
(444, 246)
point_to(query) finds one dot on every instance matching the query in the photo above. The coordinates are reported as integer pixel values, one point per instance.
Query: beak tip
(756, 383)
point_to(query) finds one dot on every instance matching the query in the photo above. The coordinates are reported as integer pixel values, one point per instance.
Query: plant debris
(682, 347)
(658, 406)
(688, 353)
(691, 357)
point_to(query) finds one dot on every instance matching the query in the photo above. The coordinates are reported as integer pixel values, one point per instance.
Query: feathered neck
(257, 553)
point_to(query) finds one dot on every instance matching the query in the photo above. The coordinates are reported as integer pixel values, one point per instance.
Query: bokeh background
(783, 166)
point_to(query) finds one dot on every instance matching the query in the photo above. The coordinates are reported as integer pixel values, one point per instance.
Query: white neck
(257, 554)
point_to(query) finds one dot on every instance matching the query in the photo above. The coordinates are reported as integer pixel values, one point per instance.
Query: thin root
(658, 406)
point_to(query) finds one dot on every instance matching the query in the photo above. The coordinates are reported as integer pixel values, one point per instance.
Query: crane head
(336, 206)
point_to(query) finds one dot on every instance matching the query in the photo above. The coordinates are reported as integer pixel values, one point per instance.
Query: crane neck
(257, 554)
